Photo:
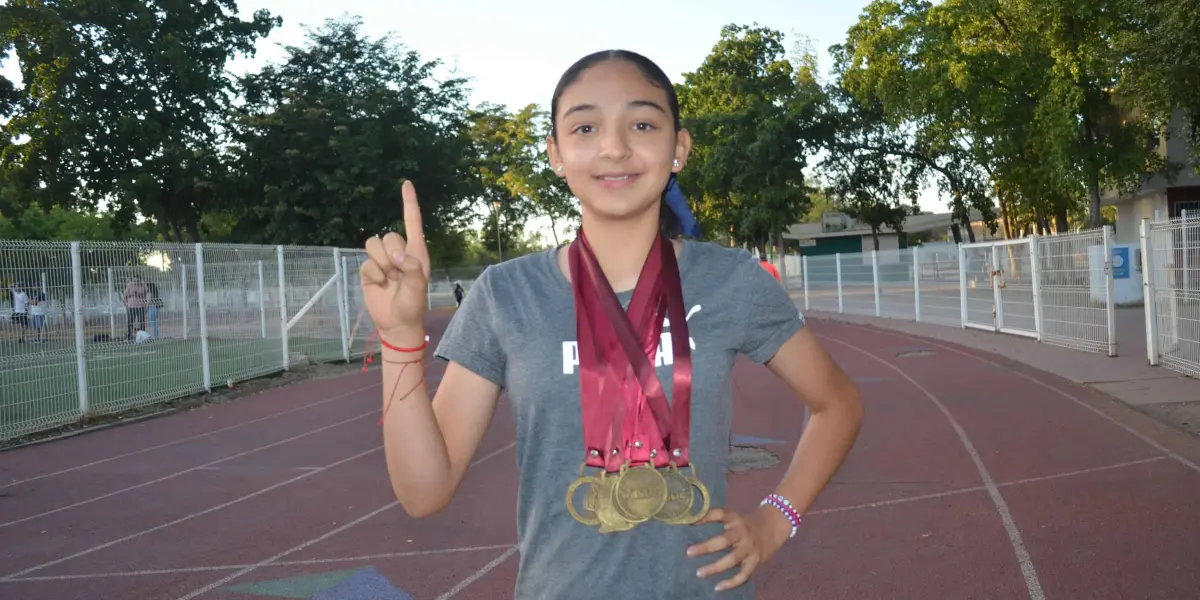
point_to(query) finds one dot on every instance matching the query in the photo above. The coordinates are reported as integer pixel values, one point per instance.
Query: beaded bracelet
(782, 505)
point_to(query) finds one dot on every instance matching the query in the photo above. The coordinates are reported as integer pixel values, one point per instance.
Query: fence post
(112, 310)
(346, 292)
(262, 302)
(1149, 300)
(875, 278)
(183, 276)
(1110, 311)
(81, 379)
(838, 258)
(204, 357)
(962, 284)
(804, 276)
(283, 316)
(1035, 266)
(1186, 250)
(341, 301)
(997, 295)
(916, 261)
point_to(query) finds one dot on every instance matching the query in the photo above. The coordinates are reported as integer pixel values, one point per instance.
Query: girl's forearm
(822, 448)
(417, 459)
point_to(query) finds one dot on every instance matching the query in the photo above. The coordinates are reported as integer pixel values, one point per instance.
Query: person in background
(458, 293)
(135, 306)
(37, 315)
(153, 303)
(19, 318)
(766, 264)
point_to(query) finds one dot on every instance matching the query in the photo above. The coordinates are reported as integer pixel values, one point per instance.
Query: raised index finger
(414, 233)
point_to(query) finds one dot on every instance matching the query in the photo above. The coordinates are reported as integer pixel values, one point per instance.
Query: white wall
(1131, 212)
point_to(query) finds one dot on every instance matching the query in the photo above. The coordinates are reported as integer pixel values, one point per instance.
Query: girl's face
(617, 144)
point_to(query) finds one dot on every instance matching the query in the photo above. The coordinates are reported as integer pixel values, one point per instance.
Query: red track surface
(974, 477)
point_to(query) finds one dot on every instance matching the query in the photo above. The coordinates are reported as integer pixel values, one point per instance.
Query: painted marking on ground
(750, 440)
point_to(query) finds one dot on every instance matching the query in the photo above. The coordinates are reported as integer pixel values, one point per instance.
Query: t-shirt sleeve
(471, 339)
(770, 317)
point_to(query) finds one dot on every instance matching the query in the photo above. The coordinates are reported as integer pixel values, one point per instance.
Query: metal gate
(1171, 280)
(999, 286)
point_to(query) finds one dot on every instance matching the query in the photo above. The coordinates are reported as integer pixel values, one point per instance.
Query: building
(840, 233)
(1158, 199)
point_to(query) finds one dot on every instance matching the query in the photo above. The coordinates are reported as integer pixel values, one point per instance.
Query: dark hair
(668, 222)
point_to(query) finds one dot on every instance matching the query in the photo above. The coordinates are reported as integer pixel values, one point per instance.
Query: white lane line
(190, 438)
(1032, 584)
(186, 471)
(188, 517)
(982, 488)
(282, 563)
(224, 580)
(1157, 446)
(473, 577)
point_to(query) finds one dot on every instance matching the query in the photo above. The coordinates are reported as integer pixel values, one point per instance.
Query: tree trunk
(1060, 217)
(966, 223)
(1095, 219)
(1004, 219)
(781, 249)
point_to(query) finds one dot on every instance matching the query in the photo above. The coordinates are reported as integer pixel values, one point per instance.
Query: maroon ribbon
(624, 405)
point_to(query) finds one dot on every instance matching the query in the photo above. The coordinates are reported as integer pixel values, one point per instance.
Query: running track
(974, 477)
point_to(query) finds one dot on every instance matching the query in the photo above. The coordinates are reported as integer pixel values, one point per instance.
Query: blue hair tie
(678, 205)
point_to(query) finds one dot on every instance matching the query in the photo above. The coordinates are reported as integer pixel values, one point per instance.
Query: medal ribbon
(602, 412)
(657, 294)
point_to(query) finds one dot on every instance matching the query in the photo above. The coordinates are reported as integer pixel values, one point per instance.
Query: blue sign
(1120, 263)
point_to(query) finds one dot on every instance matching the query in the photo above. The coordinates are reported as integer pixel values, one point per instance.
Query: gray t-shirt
(517, 329)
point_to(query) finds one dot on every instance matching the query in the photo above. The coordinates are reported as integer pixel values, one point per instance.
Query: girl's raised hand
(395, 278)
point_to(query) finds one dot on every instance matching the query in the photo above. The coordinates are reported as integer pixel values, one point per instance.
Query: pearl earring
(677, 163)
(559, 169)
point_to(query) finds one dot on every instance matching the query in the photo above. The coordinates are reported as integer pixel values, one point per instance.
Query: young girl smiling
(616, 353)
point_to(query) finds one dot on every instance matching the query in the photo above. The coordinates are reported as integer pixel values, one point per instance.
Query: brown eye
(583, 129)
(643, 126)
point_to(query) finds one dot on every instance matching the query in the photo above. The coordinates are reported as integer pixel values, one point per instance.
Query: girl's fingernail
(398, 257)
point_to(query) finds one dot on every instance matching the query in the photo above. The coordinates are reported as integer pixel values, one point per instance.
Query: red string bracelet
(369, 357)
(384, 344)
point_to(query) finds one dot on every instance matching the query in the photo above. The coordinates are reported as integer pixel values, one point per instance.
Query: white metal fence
(1171, 289)
(227, 313)
(105, 327)
(1056, 289)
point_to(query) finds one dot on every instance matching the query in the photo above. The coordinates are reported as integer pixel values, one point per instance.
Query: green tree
(1020, 90)
(503, 161)
(1160, 72)
(875, 177)
(326, 137)
(755, 120)
(122, 102)
(58, 223)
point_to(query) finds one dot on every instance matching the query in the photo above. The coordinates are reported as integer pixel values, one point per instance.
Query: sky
(514, 52)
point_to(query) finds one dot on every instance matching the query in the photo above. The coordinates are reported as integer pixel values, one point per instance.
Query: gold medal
(587, 516)
(639, 492)
(679, 496)
(694, 483)
(610, 519)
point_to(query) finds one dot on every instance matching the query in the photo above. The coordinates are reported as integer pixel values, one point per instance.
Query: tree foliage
(755, 122)
(122, 102)
(128, 125)
(1021, 90)
(325, 138)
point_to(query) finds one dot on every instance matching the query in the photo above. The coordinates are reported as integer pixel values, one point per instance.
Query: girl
(621, 493)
